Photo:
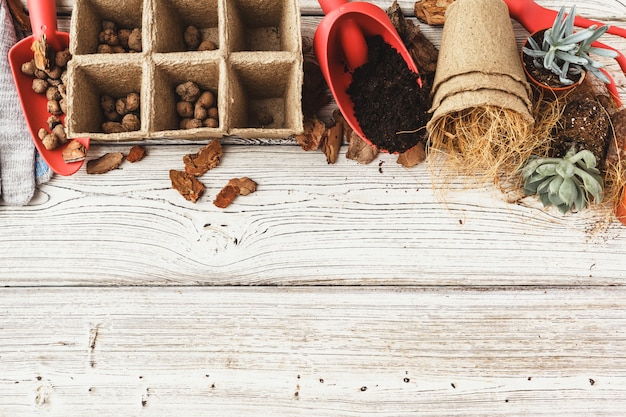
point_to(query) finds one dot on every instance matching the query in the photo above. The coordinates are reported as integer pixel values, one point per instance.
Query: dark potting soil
(389, 105)
(583, 125)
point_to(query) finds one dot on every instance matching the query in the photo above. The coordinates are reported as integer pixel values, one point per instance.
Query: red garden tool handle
(535, 17)
(350, 35)
(43, 20)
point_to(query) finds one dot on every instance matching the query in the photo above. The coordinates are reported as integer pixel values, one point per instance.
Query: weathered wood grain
(308, 223)
(312, 352)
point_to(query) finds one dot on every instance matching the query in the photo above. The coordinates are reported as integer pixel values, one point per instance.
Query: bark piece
(413, 156)
(359, 150)
(226, 196)
(205, 159)
(105, 163)
(246, 185)
(187, 185)
(74, 152)
(331, 142)
(432, 12)
(234, 188)
(311, 138)
(136, 153)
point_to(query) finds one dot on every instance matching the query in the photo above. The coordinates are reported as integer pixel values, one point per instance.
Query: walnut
(188, 91)
(192, 37)
(207, 45)
(134, 40)
(131, 122)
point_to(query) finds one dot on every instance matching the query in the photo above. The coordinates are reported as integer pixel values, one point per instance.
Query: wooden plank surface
(332, 352)
(308, 223)
(334, 290)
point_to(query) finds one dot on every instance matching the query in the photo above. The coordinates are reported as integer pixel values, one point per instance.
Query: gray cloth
(17, 150)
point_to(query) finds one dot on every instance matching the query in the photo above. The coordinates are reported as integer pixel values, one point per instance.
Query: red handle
(351, 36)
(43, 20)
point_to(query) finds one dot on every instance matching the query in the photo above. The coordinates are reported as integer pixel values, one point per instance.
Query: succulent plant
(565, 52)
(566, 182)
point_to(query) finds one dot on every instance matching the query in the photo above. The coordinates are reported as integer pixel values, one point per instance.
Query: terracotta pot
(551, 90)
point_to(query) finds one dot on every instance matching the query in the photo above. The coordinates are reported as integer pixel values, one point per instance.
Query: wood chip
(136, 154)
(432, 12)
(234, 188)
(360, 151)
(74, 152)
(187, 185)
(413, 156)
(41, 53)
(314, 130)
(105, 163)
(331, 143)
(207, 158)
(245, 184)
(226, 196)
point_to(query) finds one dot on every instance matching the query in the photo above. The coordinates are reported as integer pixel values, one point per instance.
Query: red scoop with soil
(341, 47)
(43, 19)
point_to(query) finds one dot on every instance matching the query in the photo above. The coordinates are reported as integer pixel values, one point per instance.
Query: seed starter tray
(256, 68)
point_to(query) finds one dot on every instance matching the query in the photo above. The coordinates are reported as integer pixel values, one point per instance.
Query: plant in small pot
(558, 58)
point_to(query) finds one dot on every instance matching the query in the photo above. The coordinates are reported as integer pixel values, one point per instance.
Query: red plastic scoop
(535, 17)
(340, 47)
(43, 19)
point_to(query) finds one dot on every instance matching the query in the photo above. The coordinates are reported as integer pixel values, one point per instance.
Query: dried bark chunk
(226, 196)
(74, 152)
(311, 138)
(432, 12)
(235, 187)
(413, 156)
(206, 158)
(332, 142)
(187, 185)
(246, 185)
(42, 53)
(136, 153)
(359, 150)
(105, 163)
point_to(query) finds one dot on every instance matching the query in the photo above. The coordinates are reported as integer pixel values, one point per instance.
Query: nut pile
(49, 71)
(196, 108)
(194, 41)
(115, 41)
(121, 114)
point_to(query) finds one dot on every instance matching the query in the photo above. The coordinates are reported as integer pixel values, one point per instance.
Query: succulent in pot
(560, 51)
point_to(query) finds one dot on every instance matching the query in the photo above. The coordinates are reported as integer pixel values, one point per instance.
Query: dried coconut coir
(482, 121)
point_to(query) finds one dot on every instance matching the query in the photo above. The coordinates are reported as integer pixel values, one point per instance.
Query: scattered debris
(311, 138)
(186, 184)
(205, 159)
(234, 188)
(105, 163)
(413, 156)
(136, 154)
(74, 152)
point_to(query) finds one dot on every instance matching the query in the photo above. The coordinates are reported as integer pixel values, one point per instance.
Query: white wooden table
(334, 290)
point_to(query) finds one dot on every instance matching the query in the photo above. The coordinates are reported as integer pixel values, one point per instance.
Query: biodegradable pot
(551, 86)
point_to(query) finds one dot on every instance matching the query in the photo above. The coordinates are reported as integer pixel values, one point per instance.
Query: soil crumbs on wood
(389, 105)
